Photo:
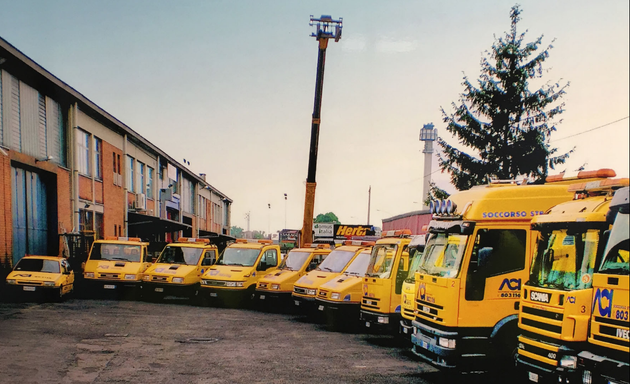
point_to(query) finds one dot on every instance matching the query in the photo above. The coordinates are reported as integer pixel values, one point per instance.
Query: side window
(315, 262)
(209, 258)
(499, 251)
(270, 258)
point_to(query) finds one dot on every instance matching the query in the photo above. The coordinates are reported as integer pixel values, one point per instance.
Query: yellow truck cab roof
(122, 240)
(57, 258)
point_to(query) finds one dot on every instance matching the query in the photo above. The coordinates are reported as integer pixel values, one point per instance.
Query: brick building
(68, 166)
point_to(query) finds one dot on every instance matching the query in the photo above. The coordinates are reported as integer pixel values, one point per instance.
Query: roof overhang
(154, 224)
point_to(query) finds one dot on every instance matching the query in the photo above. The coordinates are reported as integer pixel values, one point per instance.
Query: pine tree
(501, 120)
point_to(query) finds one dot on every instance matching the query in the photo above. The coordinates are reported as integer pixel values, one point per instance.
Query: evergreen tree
(507, 126)
(327, 218)
(435, 193)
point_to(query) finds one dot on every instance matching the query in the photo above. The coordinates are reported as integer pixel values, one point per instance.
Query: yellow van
(40, 277)
(116, 265)
(232, 280)
(275, 288)
(178, 269)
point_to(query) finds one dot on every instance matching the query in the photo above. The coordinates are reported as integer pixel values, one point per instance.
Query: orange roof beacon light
(192, 240)
(600, 173)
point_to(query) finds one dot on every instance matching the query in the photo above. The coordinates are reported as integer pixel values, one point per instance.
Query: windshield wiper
(240, 265)
(120, 258)
(352, 273)
(326, 268)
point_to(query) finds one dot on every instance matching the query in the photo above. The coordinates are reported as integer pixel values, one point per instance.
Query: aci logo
(603, 301)
(422, 291)
(512, 284)
(571, 299)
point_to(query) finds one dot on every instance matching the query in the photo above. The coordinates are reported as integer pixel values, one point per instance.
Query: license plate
(109, 286)
(405, 330)
(425, 309)
(424, 344)
(213, 294)
(367, 324)
(30, 289)
(532, 376)
(262, 297)
(296, 302)
(321, 308)
(159, 289)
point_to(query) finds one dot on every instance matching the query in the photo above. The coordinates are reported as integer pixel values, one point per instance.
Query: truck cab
(116, 265)
(232, 280)
(339, 299)
(276, 288)
(305, 289)
(407, 298)
(382, 284)
(607, 354)
(555, 307)
(469, 279)
(178, 269)
(40, 278)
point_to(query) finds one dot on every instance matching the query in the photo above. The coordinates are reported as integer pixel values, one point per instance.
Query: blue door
(30, 214)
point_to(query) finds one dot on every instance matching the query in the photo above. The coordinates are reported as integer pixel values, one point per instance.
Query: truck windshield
(415, 264)
(180, 255)
(616, 259)
(244, 257)
(107, 251)
(382, 260)
(443, 254)
(336, 261)
(565, 260)
(359, 264)
(38, 265)
(294, 260)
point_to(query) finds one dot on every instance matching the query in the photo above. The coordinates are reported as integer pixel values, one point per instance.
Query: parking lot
(102, 341)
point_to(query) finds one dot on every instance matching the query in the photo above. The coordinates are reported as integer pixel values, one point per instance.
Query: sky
(229, 86)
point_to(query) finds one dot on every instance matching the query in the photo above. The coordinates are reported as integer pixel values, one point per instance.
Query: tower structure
(428, 134)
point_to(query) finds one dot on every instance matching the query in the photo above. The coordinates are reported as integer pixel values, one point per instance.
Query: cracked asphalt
(105, 341)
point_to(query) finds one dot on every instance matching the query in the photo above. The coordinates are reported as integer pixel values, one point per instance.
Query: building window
(83, 152)
(142, 185)
(86, 220)
(149, 183)
(98, 158)
(202, 207)
(131, 179)
(98, 226)
(188, 196)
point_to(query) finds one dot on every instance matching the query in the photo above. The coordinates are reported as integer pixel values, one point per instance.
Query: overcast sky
(229, 86)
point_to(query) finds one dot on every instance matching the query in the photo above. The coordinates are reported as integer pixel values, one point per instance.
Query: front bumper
(226, 295)
(304, 304)
(105, 286)
(337, 312)
(30, 292)
(426, 345)
(275, 297)
(169, 289)
(383, 320)
(603, 369)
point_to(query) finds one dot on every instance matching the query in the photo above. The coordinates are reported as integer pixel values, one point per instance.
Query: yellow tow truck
(305, 289)
(232, 280)
(408, 295)
(275, 289)
(339, 299)
(178, 269)
(475, 261)
(116, 265)
(382, 284)
(41, 278)
(607, 355)
(555, 307)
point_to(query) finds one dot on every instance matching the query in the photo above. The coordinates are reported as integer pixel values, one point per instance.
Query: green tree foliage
(327, 218)
(236, 232)
(435, 193)
(501, 120)
(259, 235)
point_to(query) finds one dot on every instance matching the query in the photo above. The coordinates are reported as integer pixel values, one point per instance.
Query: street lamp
(285, 211)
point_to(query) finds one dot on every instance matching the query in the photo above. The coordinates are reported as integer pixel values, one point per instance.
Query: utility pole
(326, 28)
(369, 200)
(285, 211)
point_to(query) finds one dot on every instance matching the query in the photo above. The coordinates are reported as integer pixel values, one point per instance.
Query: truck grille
(542, 319)
(159, 278)
(214, 283)
(429, 311)
(108, 276)
(29, 282)
(370, 302)
(300, 290)
(546, 354)
(322, 293)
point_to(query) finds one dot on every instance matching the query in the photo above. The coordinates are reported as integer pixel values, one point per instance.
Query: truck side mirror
(484, 257)
(262, 266)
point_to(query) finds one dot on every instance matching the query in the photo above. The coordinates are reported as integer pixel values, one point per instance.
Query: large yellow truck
(408, 295)
(382, 284)
(275, 289)
(232, 280)
(475, 261)
(606, 359)
(117, 265)
(40, 278)
(305, 289)
(339, 299)
(555, 307)
(178, 269)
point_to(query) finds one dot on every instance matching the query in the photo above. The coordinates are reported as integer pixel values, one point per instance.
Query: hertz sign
(343, 231)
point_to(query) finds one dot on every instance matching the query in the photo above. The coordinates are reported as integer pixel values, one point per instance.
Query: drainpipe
(74, 185)
(125, 189)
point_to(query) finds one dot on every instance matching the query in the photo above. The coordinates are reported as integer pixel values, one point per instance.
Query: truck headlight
(334, 296)
(49, 283)
(89, 275)
(230, 283)
(146, 277)
(568, 361)
(130, 277)
(178, 280)
(275, 286)
(446, 343)
(239, 283)
(311, 292)
(383, 320)
(587, 377)
(205, 282)
(10, 281)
